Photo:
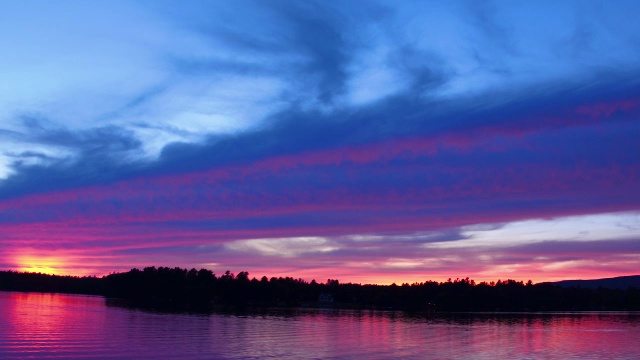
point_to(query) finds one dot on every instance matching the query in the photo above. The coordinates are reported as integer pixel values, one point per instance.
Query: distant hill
(621, 282)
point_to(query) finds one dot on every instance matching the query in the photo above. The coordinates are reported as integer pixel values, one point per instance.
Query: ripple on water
(57, 326)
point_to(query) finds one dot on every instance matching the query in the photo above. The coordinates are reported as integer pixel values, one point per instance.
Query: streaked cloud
(288, 247)
(612, 226)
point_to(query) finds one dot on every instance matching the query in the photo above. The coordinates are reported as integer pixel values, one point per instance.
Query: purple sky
(369, 142)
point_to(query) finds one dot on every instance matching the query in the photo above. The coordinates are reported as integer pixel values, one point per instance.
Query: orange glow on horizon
(77, 264)
(40, 264)
(62, 263)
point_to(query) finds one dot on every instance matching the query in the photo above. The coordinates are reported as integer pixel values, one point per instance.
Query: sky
(365, 141)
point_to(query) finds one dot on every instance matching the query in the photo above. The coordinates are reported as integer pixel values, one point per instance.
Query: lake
(58, 326)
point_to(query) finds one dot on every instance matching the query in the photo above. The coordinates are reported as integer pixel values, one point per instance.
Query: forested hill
(178, 289)
(621, 282)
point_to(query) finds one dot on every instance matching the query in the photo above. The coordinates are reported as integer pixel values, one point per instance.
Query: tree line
(202, 289)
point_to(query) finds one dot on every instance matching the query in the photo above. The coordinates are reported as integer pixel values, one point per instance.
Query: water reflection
(71, 326)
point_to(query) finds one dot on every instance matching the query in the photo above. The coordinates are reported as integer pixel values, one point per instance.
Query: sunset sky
(370, 142)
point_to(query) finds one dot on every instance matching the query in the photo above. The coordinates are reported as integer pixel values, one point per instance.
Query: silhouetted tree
(201, 289)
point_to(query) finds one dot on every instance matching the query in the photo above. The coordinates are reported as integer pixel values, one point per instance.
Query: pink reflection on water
(39, 324)
(74, 327)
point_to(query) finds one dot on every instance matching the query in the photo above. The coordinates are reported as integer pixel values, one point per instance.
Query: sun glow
(39, 264)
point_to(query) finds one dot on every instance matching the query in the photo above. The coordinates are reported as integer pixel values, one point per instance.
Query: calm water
(34, 325)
